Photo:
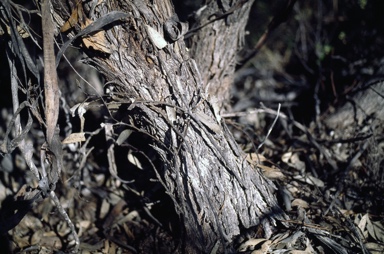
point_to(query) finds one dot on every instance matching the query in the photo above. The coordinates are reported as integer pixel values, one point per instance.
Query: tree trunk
(214, 47)
(174, 96)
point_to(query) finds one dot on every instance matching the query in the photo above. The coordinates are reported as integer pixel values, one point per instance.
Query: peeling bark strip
(52, 149)
(51, 88)
(52, 96)
(49, 178)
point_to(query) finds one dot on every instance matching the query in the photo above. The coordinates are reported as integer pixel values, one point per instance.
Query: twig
(218, 16)
(270, 129)
(67, 219)
(24, 146)
(351, 162)
(108, 128)
(298, 125)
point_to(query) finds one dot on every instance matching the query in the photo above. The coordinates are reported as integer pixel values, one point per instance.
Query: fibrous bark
(175, 99)
(215, 46)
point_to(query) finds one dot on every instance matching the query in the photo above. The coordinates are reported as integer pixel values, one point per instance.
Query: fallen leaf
(272, 173)
(376, 230)
(123, 136)
(76, 15)
(134, 160)
(375, 248)
(251, 243)
(96, 41)
(74, 138)
(293, 160)
(300, 203)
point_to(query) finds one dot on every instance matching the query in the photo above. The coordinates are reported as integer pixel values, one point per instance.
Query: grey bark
(175, 97)
(215, 46)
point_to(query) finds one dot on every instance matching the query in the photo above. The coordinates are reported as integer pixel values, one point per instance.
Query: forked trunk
(174, 96)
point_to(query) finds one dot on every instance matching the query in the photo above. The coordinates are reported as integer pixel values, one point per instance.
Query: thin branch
(270, 129)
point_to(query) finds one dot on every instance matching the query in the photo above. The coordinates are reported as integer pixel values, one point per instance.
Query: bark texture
(168, 94)
(215, 46)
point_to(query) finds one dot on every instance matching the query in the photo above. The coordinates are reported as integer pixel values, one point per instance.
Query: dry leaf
(81, 109)
(134, 160)
(250, 243)
(272, 173)
(375, 248)
(71, 22)
(300, 252)
(363, 222)
(74, 138)
(123, 136)
(376, 230)
(300, 203)
(96, 41)
(293, 160)
(255, 159)
(22, 32)
(264, 248)
(77, 16)
(310, 180)
(36, 237)
(105, 206)
(131, 217)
